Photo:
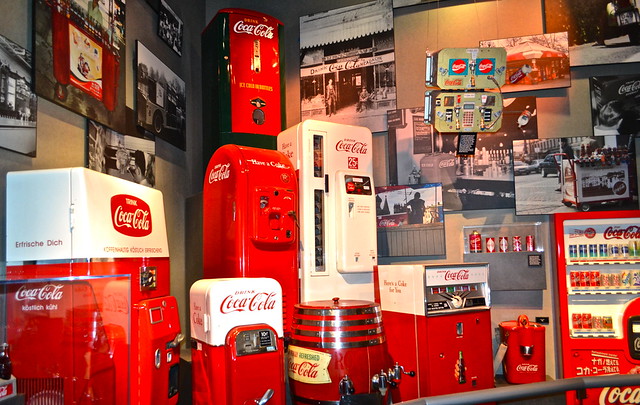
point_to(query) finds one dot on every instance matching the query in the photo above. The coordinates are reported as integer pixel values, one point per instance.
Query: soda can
(597, 322)
(587, 321)
(574, 278)
(583, 251)
(584, 279)
(624, 250)
(618, 279)
(576, 321)
(594, 278)
(531, 243)
(607, 322)
(490, 244)
(517, 244)
(603, 250)
(451, 290)
(504, 244)
(614, 250)
(475, 242)
(593, 250)
(573, 251)
(605, 280)
(633, 248)
(636, 278)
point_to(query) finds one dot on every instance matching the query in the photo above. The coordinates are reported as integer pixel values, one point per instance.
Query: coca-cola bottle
(461, 369)
(5, 362)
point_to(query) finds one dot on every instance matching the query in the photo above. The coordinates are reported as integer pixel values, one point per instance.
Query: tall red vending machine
(88, 315)
(243, 80)
(599, 299)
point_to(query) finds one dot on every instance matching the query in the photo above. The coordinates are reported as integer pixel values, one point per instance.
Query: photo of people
(170, 27)
(18, 104)
(345, 79)
(615, 105)
(127, 157)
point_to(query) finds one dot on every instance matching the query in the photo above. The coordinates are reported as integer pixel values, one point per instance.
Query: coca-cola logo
(458, 66)
(6, 390)
(527, 368)
(619, 188)
(50, 292)
(383, 223)
(261, 301)
(220, 172)
(351, 146)
(590, 233)
(259, 30)
(304, 369)
(486, 66)
(455, 82)
(130, 215)
(629, 88)
(630, 232)
(456, 275)
(619, 395)
(446, 163)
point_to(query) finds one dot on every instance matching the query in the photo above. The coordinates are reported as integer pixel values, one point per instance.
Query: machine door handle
(176, 341)
(266, 397)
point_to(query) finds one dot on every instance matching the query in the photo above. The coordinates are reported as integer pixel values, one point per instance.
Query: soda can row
(595, 278)
(587, 321)
(605, 250)
(516, 244)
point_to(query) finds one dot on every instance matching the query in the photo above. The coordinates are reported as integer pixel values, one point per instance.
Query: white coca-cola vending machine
(337, 208)
(237, 341)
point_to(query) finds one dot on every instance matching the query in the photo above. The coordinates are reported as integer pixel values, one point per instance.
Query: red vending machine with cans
(88, 314)
(237, 342)
(242, 80)
(598, 255)
(250, 227)
(438, 325)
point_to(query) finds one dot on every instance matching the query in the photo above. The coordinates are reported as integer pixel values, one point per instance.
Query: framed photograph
(80, 50)
(410, 220)
(615, 105)
(599, 32)
(576, 174)
(170, 27)
(18, 104)
(348, 78)
(535, 62)
(421, 155)
(160, 99)
(127, 157)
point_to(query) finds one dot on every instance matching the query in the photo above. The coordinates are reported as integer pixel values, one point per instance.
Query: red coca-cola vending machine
(598, 259)
(88, 314)
(250, 226)
(334, 165)
(243, 80)
(438, 325)
(237, 342)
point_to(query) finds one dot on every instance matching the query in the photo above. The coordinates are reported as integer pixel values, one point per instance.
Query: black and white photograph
(600, 31)
(421, 155)
(18, 103)
(127, 157)
(170, 27)
(347, 65)
(160, 99)
(576, 174)
(79, 57)
(535, 62)
(615, 105)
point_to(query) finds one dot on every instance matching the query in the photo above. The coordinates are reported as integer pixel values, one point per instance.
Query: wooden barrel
(333, 341)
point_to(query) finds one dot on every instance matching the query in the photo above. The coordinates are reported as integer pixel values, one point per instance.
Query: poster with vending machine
(598, 259)
(337, 208)
(87, 311)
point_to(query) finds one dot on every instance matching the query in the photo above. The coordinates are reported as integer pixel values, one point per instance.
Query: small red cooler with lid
(524, 361)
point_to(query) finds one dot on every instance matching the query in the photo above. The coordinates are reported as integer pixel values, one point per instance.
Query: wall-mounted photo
(18, 104)
(80, 57)
(615, 105)
(421, 155)
(535, 62)
(347, 65)
(576, 174)
(160, 99)
(410, 220)
(600, 32)
(170, 27)
(127, 157)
